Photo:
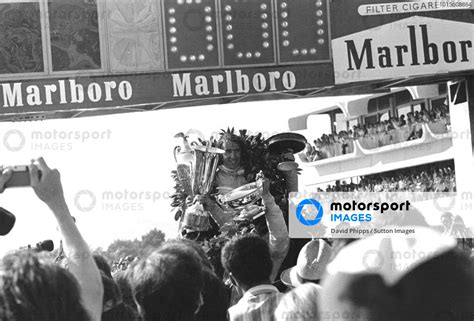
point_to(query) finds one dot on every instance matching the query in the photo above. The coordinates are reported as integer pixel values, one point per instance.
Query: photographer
(47, 185)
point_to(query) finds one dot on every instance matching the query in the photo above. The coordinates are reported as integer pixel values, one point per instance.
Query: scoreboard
(105, 37)
(242, 33)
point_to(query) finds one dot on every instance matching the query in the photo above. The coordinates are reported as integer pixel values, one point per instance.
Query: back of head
(188, 245)
(420, 278)
(114, 309)
(300, 304)
(215, 297)
(34, 289)
(122, 282)
(167, 286)
(102, 264)
(248, 259)
(214, 294)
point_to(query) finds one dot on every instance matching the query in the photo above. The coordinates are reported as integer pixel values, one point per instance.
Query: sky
(115, 169)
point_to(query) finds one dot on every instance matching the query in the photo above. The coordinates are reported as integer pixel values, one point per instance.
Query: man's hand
(264, 185)
(207, 202)
(48, 187)
(5, 174)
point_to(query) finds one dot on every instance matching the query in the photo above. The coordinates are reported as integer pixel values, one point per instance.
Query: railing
(382, 142)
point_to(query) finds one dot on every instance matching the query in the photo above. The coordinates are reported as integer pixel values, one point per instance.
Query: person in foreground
(33, 288)
(167, 285)
(420, 278)
(248, 262)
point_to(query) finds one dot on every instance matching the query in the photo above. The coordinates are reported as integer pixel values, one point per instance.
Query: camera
(20, 177)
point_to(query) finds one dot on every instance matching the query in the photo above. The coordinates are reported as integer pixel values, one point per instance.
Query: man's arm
(217, 213)
(278, 238)
(81, 264)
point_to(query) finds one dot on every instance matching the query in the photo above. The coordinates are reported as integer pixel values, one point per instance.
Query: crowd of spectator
(439, 177)
(338, 279)
(382, 133)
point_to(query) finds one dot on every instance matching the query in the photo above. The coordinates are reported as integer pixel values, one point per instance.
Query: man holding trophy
(236, 197)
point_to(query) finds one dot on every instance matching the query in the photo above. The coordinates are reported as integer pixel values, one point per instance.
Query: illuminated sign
(239, 33)
(416, 46)
(191, 34)
(247, 32)
(303, 42)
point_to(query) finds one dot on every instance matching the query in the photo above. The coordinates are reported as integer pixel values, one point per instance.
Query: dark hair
(33, 288)
(102, 264)
(248, 259)
(167, 286)
(192, 246)
(229, 137)
(215, 296)
(122, 282)
(113, 307)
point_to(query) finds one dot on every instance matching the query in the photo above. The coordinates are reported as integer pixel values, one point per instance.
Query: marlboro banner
(148, 89)
(387, 42)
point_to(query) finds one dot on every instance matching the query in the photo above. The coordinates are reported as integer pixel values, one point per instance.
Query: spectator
(397, 278)
(103, 265)
(431, 178)
(121, 280)
(462, 234)
(447, 222)
(378, 134)
(300, 304)
(48, 188)
(310, 266)
(167, 286)
(33, 288)
(215, 297)
(248, 262)
(114, 309)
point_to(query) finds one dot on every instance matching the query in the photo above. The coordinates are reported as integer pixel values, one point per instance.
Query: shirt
(257, 304)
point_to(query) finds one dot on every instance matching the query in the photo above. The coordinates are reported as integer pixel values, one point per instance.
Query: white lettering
(216, 79)
(109, 85)
(33, 98)
(125, 90)
(12, 97)
(242, 82)
(62, 92)
(180, 86)
(77, 92)
(201, 86)
(259, 82)
(273, 76)
(289, 80)
(48, 90)
(94, 92)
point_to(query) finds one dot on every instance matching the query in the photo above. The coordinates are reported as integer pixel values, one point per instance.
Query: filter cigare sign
(413, 46)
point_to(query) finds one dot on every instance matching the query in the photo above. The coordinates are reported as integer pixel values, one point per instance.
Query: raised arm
(278, 238)
(81, 264)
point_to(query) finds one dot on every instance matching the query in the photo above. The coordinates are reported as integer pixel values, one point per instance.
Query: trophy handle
(176, 151)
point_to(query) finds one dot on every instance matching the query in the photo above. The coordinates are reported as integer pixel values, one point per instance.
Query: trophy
(285, 144)
(243, 200)
(196, 174)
